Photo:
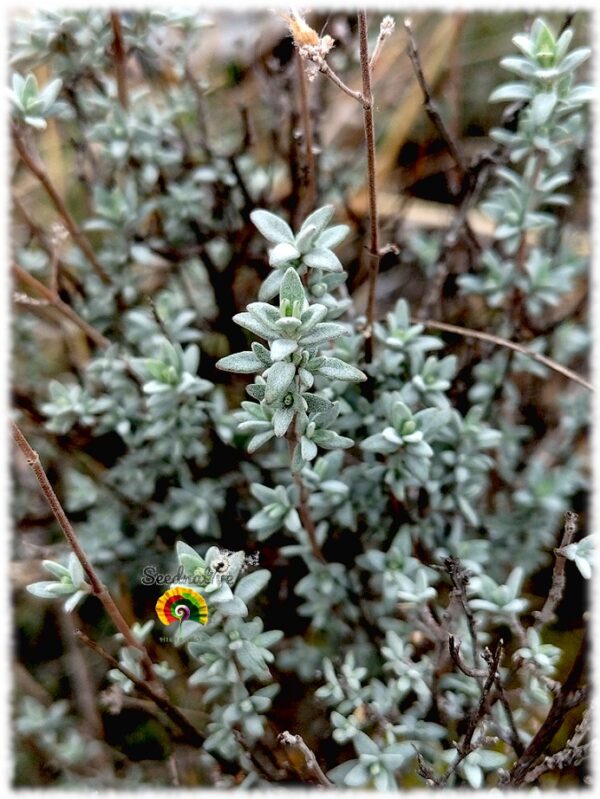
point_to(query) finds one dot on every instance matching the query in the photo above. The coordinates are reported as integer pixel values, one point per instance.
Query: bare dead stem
(37, 168)
(119, 53)
(98, 587)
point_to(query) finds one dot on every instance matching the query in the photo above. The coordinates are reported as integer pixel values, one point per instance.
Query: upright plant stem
(37, 168)
(367, 104)
(119, 54)
(559, 580)
(303, 507)
(98, 587)
(310, 168)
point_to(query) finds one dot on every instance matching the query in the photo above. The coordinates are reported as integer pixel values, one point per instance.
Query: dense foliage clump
(378, 509)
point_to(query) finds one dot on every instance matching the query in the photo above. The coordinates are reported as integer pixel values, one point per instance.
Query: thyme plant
(369, 531)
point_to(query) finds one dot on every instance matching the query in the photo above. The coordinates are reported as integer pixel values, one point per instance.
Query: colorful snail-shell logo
(182, 604)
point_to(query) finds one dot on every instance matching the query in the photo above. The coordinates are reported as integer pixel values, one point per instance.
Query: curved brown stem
(98, 587)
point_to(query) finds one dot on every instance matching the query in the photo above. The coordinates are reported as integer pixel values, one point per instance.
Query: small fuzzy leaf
(329, 439)
(282, 254)
(282, 418)
(336, 369)
(258, 440)
(279, 376)
(316, 404)
(49, 589)
(304, 239)
(233, 607)
(323, 259)
(241, 362)
(272, 227)
(254, 325)
(332, 237)
(252, 584)
(319, 219)
(262, 353)
(511, 91)
(291, 288)
(270, 286)
(324, 331)
(50, 92)
(281, 348)
(56, 569)
(308, 449)
(542, 106)
(76, 571)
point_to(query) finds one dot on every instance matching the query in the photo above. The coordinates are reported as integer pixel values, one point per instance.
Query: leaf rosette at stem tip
(311, 249)
(288, 367)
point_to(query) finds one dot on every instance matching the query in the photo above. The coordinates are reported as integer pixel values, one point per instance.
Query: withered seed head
(301, 31)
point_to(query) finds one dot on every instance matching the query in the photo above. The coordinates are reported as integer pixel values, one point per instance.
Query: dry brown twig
(303, 507)
(120, 55)
(303, 759)
(568, 697)
(35, 165)
(97, 586)
(52, 299)
(192, 736)
(374, 242)
(460, 580)
(557, 588)
(310, 167)
(466, 745)
(429, 103)
(150, 686)
(504, 342)
(386, 28)
(313, 50)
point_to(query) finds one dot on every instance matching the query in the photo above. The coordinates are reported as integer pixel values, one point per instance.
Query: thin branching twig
(466, 745)
(504, 342)
(310, 167)
(38, 169)
(97, 586)
(302, 759)
(429, 103)
(192, 736)
(53, 299)
(119, 53)
(569, 697)
(303, 507)
(367, 104)
(557, 588)
(460, 580)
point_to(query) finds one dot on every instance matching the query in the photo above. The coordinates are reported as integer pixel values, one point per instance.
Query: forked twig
(51, 298)
(429, 103)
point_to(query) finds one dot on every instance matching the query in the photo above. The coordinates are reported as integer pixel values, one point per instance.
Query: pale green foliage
(397, 474)
(31, 105)
(71, 582)
(582, 553)
(296, 335)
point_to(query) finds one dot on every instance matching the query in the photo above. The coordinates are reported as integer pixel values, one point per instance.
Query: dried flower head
(387, 27)
(311, 47)
(59, 234)
(302, 34)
